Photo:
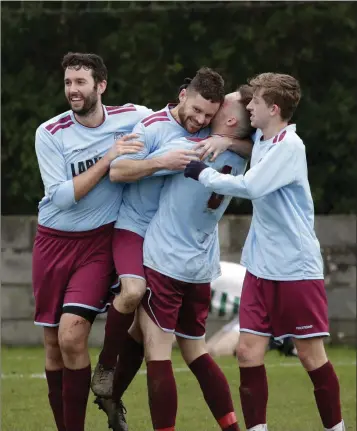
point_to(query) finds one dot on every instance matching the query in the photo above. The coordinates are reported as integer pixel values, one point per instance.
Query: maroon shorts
(128, 253)
(71, 271)
(176, 306)
(282, 309)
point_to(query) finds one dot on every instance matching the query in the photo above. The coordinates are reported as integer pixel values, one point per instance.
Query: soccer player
(283, 293)
(181, 257)
(197, 105)
(72, 255)
(196, 108)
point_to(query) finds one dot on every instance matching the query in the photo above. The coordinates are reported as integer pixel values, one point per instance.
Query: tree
(150, 48)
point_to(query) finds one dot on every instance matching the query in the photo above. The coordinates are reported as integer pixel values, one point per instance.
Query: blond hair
(278, 89)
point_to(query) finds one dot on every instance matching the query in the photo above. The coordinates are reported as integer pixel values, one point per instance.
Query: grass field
(291, 401)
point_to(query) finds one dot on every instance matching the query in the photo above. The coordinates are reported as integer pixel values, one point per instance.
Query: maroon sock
(253, 395)
(162, 394)
(327, 394)
(130, 359)
(116, 329)
(216, 391)
(75, 396)
(54, 382)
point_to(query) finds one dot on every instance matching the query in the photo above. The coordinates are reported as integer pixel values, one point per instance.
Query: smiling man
(283, 292)
(197, 106)
(72, 255)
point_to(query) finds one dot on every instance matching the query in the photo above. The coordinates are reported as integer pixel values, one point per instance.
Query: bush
(149, 49)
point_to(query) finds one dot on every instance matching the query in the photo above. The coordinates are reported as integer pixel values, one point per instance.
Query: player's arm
(86, 181)
(136, 166)
(215, 145)
(64, 192)
(276, 170)
(169, 163)
(175, 156)
(127, 170)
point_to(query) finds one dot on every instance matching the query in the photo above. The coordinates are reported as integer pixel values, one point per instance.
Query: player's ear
(102, 85)
(275, 110)
(183, 95)
(232, 121)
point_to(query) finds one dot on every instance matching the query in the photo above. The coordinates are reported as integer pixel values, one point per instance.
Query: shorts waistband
(105, 229)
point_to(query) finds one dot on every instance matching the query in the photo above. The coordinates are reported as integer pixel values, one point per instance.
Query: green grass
(291, 401)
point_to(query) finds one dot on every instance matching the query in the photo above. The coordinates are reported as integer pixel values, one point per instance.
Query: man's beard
(187, 122)
(89, 105)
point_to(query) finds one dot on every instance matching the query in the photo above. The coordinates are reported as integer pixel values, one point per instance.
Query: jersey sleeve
(231, 159)
(143, 136)
(53, 170)
(276, 170)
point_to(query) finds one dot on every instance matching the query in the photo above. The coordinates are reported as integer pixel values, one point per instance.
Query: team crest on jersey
(118, 135)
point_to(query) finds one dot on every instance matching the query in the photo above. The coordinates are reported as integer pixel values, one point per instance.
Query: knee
(311, 360)
(132, 293)
(72, 343)
(192, 350)
(212, 350)
(249, 355)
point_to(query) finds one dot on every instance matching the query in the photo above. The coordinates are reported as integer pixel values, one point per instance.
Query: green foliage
(150, 49)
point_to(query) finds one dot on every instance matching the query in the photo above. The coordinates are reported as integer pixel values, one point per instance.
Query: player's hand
(213, 147)
(194, 168)
(177, 160)
(125, 145)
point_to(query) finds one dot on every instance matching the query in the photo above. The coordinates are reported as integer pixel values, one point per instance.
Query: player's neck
(92, 119)
(223, 131)
(174, 113)
(273, 129)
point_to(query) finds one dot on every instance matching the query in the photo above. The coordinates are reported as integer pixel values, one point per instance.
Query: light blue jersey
(141, 199)
(65, 149)
(182, 238)
(281, 244)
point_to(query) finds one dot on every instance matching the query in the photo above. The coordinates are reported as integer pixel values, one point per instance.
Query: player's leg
(128, 258)
(54, 372)
(253, 389)
(128, 364)
(190, 332)
(116, 333)
(252, 345)
(160, 377)
(158, 316)
(51, 264)
(86, 296)
(73, 339)
(306, 318)
(313, 357)
(129, 361)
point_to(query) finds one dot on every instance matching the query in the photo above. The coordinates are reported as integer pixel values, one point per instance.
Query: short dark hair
(209, 84)
(246, 94)
(93, 62)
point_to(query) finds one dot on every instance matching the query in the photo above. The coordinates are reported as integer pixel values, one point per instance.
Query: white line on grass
(176, 370)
